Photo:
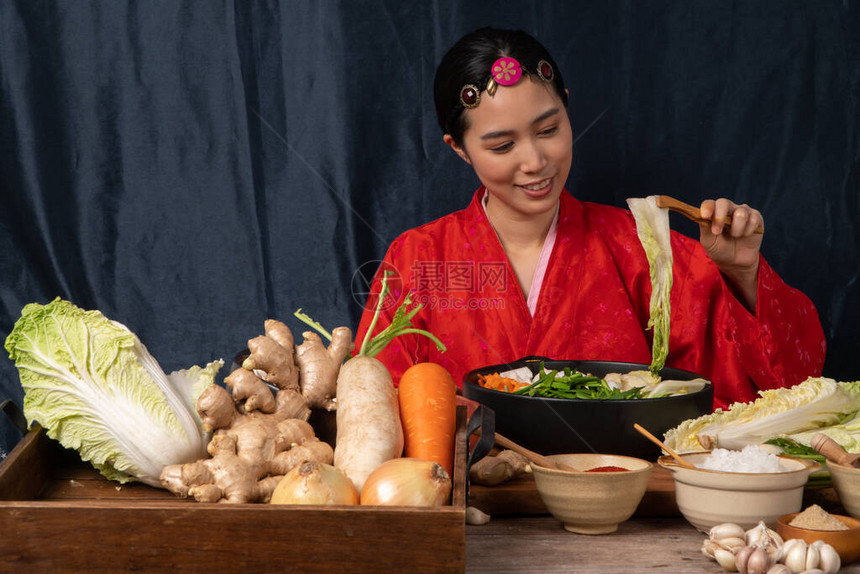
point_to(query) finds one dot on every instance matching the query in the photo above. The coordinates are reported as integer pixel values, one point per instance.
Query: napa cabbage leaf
(847, 434)
(652, 227)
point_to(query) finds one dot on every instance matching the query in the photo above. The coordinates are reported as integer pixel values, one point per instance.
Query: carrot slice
(499, 383)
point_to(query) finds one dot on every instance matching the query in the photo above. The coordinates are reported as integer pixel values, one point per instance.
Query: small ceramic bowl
(846, 482)
(710, 497)
(845, 542)
(593, 502)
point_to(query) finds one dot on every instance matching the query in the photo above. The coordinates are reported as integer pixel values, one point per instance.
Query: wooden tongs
(531, 455)
(690, 212)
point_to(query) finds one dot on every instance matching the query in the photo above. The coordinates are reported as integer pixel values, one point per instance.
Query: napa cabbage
(95, 388)
(813, 405)
(847, 434)
(652, 227)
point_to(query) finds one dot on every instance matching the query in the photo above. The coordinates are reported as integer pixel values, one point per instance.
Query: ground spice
(607, 469)
(817, 518)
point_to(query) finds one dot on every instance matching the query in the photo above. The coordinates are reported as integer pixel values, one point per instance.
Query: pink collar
(543, 260)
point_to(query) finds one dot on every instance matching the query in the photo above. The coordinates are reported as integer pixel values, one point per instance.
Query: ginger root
(310, 368)
(274, 355)
(261, 434)
(319, 366)
(251, 450)
(249, 393)
(496, 469)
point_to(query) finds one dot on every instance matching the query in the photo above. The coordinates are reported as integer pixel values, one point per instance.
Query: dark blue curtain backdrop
(193, 168)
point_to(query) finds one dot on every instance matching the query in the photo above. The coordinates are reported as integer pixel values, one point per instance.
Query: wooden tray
(57, 514)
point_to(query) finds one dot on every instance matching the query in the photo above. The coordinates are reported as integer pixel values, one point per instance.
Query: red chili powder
(607, 469)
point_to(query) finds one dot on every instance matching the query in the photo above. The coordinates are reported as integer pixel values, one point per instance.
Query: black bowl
(559, 426)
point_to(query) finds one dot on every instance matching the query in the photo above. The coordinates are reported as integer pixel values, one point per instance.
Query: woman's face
(520, 144)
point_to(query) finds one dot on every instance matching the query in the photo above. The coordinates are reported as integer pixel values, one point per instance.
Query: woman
(526, 269)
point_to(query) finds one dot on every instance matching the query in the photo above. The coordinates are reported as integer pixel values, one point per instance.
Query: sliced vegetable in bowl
(567, 425)
(570, 383)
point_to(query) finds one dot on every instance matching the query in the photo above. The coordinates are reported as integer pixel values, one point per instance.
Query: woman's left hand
(734, 248)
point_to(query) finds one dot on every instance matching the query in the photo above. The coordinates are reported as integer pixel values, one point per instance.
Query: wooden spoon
(534, 457)
(678, 458)
(691, 212)
(833, 451)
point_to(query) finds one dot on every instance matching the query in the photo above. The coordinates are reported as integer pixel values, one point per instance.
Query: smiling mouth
(537, 186)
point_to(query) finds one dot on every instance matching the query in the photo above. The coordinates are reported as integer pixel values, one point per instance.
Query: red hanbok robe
(593, 304)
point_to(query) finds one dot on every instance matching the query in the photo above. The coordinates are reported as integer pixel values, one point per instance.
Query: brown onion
(315, 483)
(407, 482)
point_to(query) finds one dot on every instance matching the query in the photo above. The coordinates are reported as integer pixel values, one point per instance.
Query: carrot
(428, 409)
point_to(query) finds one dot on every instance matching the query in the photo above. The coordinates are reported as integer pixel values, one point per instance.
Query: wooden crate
(58, 514)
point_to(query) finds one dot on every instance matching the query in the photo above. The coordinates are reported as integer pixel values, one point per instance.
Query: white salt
(750, 459)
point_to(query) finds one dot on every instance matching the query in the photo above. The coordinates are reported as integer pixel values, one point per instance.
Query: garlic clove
(794, 555)
(759, 561)
(779, 569)
(708, 547)
(762, 535)
(742, 557)
(726, 530)
(812, 558)
(726, 559)
(476, 516)
(777, 538)
(731, 543)
(828, 559)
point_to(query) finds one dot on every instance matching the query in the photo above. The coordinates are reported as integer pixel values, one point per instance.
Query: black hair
(469, 61)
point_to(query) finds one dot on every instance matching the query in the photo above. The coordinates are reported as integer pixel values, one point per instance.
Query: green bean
(568, 383)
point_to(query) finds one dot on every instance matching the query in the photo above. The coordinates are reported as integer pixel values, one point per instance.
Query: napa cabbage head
(652, 227)
(816, 403)
(94, 387)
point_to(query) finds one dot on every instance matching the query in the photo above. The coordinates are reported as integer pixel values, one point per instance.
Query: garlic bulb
(723, 542)
(802, 557)
(753, 560)
(764, 537)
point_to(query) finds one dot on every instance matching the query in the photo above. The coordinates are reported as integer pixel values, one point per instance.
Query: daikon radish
(369, 430)
(368, 422)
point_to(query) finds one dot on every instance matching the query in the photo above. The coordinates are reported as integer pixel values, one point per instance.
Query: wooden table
(522, 537)
(540, 544)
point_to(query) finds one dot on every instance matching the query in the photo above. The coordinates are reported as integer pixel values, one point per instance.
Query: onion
(315, 483)
(407, 482)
